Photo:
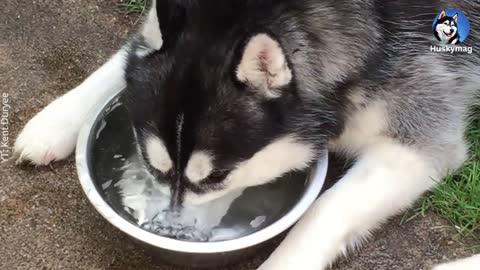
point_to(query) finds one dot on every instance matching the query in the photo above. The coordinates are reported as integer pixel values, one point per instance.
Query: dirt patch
(48, 47)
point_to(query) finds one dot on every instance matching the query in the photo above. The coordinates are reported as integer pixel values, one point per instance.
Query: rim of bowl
(313, 187)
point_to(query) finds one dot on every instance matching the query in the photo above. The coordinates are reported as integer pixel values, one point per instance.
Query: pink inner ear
(263, 60)
(263, 65)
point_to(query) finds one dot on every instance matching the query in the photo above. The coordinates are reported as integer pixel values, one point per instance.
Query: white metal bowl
(198, 254)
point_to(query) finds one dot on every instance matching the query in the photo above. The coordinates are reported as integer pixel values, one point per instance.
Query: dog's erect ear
(163, 24)
(264, 66)
(455, 17)
(442, 15)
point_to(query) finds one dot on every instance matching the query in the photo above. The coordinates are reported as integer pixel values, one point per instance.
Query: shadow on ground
(48, 47)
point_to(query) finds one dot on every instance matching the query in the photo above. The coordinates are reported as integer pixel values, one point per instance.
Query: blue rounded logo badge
(451, 26)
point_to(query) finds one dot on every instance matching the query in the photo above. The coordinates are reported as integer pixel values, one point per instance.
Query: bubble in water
(258, 221)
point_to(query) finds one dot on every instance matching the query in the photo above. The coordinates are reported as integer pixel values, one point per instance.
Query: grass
(457, 198)
(132, 6)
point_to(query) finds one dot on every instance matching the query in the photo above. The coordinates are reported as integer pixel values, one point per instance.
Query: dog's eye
(156, 172)
(217, 176)
(212, 182)
(445, 23)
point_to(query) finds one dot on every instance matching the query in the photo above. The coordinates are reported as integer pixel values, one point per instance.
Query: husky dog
(230, 94)
(446, 29)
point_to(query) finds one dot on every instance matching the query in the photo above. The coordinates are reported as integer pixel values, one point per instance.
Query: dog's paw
(50, 135)
(472, 263)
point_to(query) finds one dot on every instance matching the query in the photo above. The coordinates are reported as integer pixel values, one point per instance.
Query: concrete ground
(48, 47)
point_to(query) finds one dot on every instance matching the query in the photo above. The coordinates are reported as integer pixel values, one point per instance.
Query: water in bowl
(136, 195)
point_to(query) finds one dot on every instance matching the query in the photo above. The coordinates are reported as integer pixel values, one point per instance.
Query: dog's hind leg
(386, 178)
(51, 134)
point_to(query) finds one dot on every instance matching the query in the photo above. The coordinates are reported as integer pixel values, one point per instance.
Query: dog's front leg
(51, 134)
(386, 179)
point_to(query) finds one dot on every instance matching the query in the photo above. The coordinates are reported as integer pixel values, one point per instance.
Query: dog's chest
(365, 124)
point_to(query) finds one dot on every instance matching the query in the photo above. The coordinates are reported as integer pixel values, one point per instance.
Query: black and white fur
(229, 94)
(446, 29)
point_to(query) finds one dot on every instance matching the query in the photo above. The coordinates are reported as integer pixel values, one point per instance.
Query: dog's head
(446, 27)
(217, 108)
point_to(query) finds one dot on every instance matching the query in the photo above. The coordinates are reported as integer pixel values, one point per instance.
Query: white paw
(50, 135)
(472, 263)
(441, 267)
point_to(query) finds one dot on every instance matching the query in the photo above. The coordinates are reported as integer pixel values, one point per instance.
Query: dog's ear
(163, 24)
(442, 15)
(264, 66)
(455, 17)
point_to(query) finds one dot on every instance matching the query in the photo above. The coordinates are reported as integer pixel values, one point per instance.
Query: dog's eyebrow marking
(157, 154)
(199, 166)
